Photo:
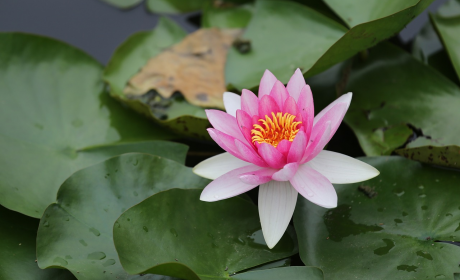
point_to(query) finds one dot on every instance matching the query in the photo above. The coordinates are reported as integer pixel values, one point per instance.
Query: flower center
(275, 129)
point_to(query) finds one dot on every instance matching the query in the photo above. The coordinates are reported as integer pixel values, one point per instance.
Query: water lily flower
(275, 141)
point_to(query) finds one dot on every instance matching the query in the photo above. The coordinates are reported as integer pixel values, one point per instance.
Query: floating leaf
(123, 4)
(175, 6)
(17, 256)
(319, 41)
(75, 233)
(291, 273)
(176, 114)
(191, 239)
(57, 120)
(194, 67)
(227, 17)
(412, 105)
(447, 24)
(396, 234)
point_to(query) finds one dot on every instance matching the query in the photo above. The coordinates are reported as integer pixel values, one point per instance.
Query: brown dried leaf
(195, 67)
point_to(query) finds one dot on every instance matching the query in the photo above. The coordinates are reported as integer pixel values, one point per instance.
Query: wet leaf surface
(193, 67)
(227, 17)
(406, 96)
(75, 233)
(393, 234)
(123, 4)
(191, 239)
(57, 119)
(17, 254)
(174, 113)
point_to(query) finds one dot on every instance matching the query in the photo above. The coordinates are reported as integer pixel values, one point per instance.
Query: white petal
(232, 102)
(342, 169)
(314, 186)
(216, 166)
(228, 185)
(276, 205)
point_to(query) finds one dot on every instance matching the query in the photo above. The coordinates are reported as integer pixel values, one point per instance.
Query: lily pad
(17, 256)
(123, 4)
(174, 113)
(227, 17)
(319, 41)
(412, 105)
(57, 119)
(75, 233)
(395, 234)
(191, 239)
(447, 24)
(291, 273)
(175, 6)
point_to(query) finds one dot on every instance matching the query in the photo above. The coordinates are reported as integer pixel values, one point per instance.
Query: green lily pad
(394, 234)
(447, 24)
(175, 6)
(179, 115)
(57, 119)
(17, 256)
(227, 17)
(123, 4)
(448, 156)
(75, 233)
(191, 239)
(291, 273)
(319, 41)
(275, 264)
(412, 105)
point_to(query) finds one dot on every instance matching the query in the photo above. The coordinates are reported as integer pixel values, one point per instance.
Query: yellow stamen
(274, 129)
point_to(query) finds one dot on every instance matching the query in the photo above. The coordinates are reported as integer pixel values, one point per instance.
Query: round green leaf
(227, 17)
(17, 254)
(408, 99)
(56, 120)
(286, 35)
(447, 25)
(291, 273)
(175, 6)
(191, 239)
(181, 116)
(76, 232)
(123, 4)
(392, 235)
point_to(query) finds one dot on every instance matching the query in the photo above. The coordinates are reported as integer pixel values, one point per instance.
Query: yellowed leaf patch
(194, 67)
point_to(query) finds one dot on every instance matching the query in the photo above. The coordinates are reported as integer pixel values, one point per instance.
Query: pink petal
(266, 83)
(334, 116)
(226, 142)
(258, 177)
(232, 102)
(224, 123)
(286, 173)
(228, 185)
(272, 156)
(295, 85)
(267, 106)
(279, 93)
(284, 147)
(298, 147)
(314, 187)
(249, 102)
(290, 107)
(245, 124)
(306, 109)
(334, 112)
(317, 142)
(249, 154)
